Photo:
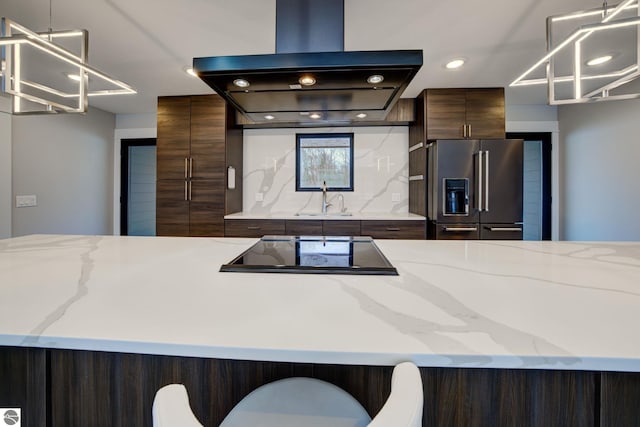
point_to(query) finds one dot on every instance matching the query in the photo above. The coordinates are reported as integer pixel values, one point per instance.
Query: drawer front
(394, 229)
(253, 228)
(501, 232)
(303, 227)
(457, 232)
(341, 228)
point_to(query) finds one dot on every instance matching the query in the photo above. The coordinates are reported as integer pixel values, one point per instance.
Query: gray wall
(600, 164)
(5, 168)
(66, 161)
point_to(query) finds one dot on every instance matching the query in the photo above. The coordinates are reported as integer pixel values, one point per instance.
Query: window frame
(303, 136)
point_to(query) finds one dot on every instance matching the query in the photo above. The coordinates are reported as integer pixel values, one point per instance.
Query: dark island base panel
(85, 388)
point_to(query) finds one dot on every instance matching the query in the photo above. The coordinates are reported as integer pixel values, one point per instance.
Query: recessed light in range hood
(342, 91)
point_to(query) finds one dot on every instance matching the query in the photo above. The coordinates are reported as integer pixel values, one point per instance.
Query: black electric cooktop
(312, 254)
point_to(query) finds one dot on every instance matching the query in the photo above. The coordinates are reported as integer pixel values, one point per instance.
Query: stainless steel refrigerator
(474, 189)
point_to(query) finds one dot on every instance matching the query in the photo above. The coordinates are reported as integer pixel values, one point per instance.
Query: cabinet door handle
(190, 167)
(190, 192)
(460, 228)
(464, 131)
(393, 228)
(186, 196)
(504, 228)
(469, 131)
(186, 167)
(253, 227)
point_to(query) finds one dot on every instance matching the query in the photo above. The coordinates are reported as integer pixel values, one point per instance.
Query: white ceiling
(148, 43)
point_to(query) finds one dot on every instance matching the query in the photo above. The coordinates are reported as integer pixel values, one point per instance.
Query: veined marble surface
(381, 171)
(538, 305)
(304, 215)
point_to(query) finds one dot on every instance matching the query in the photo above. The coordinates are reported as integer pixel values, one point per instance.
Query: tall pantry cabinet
(198, 142)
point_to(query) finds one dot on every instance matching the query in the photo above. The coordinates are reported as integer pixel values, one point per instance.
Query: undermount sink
(324, 215)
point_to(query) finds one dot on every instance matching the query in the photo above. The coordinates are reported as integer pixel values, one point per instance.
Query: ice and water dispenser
(456, 196)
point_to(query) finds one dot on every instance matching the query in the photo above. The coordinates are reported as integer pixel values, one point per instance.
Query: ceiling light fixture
(455, 63)
(315, 116)
(375, 79)
(74, 77)
(269, 117)
(599, 60)
(38, 95)
(617, 23)
(361, 115)
(241, 83)
(307, 80)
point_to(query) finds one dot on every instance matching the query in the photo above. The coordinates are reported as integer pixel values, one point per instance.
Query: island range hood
(311, 80)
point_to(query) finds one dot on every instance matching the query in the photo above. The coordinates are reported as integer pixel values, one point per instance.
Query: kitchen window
(324, 157)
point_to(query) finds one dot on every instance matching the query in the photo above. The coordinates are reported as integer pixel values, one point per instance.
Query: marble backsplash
(381, 172)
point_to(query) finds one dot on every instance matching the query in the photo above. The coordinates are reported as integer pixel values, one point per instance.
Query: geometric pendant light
(48, 72)
(591, 56)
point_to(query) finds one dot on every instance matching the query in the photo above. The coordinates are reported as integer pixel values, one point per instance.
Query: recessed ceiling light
(307, 80)
(375, 79)
(599, 60)
(74, 77)
(315, 116)
(189, 70)
(269, 117)
(361, 115)
(241, 83)
(456, 63)
(304, 113)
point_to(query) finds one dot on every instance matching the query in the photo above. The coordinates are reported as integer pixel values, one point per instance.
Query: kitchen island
(502, 331)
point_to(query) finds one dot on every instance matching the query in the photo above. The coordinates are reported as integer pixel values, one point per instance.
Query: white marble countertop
(310, 215)
(538, 305)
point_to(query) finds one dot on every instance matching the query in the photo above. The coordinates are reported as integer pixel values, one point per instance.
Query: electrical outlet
(259, 197)
(25, 201)
(396, 197)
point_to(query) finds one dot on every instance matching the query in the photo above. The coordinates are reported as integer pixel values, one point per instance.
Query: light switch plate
(25, 201)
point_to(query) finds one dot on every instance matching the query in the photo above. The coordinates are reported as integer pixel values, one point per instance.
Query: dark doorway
(537, 184)
(138, 187)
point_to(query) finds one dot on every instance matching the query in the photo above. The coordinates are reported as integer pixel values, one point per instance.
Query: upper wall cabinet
(463, 113)
(198, 145)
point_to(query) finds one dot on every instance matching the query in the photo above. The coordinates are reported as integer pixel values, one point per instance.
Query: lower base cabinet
(254, 228)
(61, 388)
(394, 229)
(404, 229)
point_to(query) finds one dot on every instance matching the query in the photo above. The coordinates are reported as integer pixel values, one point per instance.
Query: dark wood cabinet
(347, 227)
(58, 387)
(197, 142)
(23, 383)
(303, 227)
(620, 396)
(404, 229)
(323, 227)
(253, 227)
(463, 113)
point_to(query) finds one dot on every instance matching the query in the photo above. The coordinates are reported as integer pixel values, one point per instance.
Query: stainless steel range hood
(270, 89)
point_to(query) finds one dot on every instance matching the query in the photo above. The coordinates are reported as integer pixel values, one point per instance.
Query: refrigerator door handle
(480, 181)
(486, 179)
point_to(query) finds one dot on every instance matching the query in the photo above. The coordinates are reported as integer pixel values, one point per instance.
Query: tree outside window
(324, 158)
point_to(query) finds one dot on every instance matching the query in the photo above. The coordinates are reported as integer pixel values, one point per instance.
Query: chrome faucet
(325, 204)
